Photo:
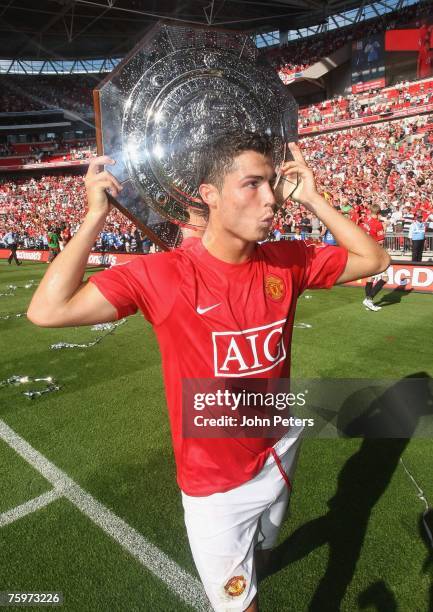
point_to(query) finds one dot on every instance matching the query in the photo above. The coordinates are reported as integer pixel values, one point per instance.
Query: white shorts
(224, 529)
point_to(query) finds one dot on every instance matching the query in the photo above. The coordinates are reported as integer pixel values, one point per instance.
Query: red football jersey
(374, 228)
(204, 311)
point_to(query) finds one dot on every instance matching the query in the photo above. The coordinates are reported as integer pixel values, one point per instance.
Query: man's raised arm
(62, 298)
(366, 257)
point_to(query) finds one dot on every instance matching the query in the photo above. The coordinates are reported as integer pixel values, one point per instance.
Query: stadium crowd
(356, 106)
(389, 164)
(32, 93)
(34, 207)
(50, 151)
(298, 55)
(6, 150)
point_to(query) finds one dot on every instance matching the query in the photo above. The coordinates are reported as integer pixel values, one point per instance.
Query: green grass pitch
(353, 540)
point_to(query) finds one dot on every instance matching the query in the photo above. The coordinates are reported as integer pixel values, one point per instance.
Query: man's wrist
(95, 217)
(92, 212)
(316, 202)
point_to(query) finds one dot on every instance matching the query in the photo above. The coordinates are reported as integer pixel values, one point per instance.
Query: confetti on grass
(17, 380)
(12, 288)
(109, 328)
(12, 316)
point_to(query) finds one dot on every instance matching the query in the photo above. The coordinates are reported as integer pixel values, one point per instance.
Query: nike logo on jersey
(203, 310)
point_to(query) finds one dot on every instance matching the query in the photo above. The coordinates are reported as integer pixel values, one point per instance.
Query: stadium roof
(71, 29)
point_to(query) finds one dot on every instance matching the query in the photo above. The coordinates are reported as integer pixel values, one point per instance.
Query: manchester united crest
(274, 287)
(235, 586)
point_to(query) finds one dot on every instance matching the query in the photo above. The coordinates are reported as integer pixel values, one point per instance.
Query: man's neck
(227, 247)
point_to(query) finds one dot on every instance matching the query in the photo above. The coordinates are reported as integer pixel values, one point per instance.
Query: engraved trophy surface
(164, 104)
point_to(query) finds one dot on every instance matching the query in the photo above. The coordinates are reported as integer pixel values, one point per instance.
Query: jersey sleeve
(148, 283)
(323, 266)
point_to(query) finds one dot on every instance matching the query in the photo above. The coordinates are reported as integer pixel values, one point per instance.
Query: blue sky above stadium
(339, 20)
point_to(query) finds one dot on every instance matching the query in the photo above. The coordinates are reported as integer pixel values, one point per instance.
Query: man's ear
(209, 194)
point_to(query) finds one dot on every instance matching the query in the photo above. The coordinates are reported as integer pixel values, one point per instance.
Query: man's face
(245, 204)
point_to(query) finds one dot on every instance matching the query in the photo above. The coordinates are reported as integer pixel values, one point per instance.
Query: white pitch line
(28, 507)
(188, 588)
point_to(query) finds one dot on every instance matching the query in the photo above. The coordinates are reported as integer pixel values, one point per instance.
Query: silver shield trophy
(177, 90)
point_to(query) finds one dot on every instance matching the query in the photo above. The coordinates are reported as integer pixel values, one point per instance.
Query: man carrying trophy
(234, 494)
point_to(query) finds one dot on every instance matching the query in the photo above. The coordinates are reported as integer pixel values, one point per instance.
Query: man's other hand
(98, 181)
(297, 179)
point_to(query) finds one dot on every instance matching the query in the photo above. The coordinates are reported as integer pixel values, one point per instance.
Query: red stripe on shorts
(280, 467)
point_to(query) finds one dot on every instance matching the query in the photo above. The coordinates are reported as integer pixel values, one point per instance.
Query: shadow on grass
(427, 568)
(362, 481)
(379, 596)
(393, 297)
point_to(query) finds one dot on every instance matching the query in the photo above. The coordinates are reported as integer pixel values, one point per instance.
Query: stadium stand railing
(396, 244)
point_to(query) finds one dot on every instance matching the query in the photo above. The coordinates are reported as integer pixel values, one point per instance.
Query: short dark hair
(216, 159)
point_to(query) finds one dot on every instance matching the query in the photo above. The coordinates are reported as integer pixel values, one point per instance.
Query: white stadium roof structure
(88, 36)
